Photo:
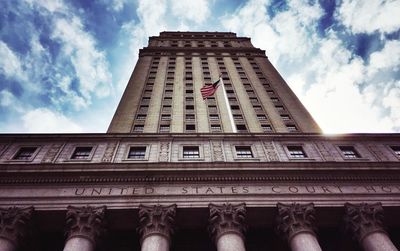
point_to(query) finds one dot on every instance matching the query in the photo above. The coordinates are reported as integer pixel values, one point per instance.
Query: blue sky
(65, 64)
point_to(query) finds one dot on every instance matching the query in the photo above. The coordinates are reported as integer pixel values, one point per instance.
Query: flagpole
(228, 107)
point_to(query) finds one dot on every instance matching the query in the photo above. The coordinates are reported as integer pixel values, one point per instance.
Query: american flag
(209, 89)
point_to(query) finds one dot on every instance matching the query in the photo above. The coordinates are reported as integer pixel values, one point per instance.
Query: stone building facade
(171, 175)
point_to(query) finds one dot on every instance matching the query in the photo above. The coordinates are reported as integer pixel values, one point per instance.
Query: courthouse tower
(171, 173)
(163, 94)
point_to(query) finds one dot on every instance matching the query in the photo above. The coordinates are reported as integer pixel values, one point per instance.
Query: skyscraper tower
(176, 172)
(163, 94)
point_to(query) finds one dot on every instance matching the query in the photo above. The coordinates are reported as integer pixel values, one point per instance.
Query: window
(191, 152)
(215, 128)
(296, 152)
(285, 117)
(291, 128)
(237, 117)
(189, 107)
(190, 117)
(243, 152)
(261, 117)
(141, 117)
(25, 153)
(164, 128)
(266, 128)
(137, 152)
(82, 152)
(396, 150)
(138, 128)
(190, 127)
(165, 116)
(349, 152)
(214, 117)
(241, 128)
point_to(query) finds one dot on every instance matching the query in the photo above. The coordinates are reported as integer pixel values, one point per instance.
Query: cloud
(10, 65)
(336, 86)
(370, 16)
(195, 10)
(43, 120)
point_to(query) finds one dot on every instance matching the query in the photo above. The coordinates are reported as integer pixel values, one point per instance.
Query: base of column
(304, 242)
(78, 244)
(230, 242)
(378, 241)
(155, 242)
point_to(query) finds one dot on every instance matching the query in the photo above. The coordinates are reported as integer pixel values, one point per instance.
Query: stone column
(13, 226)
(365, 221)
(296, 224)
(227, 226)
(84, 226)
(156, 227)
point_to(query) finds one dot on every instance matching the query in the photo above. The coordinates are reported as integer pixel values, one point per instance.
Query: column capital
(85, 222)
(295, 218)
(13, 223)
(227, 218)
(156, 219)
(363, 219)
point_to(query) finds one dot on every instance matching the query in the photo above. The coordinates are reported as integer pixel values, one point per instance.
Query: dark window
(215, 128)
(285, 117)
(396, 150)
(266, 128)
(243, 152)
(241, 128)
(138, 128)
(82, 152)
(214, 117)
(25, 153)
(165, 116)
(261, 117)
(141, 117)
(296, 152)
(190, 117)
(349, 152)
(137, 152)
(190, 127)
(234, 107)
(189, 107)
(164, 128)
(291, 128)
(191, 152)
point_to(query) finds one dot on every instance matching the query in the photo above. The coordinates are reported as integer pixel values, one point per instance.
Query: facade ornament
(363, 219)
(295, 218)
(13, 223)
(156, 219)
(85, 222)
(227, 218)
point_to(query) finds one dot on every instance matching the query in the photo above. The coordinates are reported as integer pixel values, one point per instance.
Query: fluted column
(84, 226)
(296, 224)
(365, 221)
(13, 226)
(156, 226)
(227, 226)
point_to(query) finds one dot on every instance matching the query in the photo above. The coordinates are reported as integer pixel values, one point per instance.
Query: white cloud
(369, 16)
(6, 98)
(331, 81)
(49, 5)
(10, 63)
(43, 120)
(194, 10)
(387, 58)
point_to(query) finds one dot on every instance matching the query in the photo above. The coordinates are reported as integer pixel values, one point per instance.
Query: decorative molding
(85, 222)
(156, 219)
(188, 178)
(270, 151)
(13, 223)
(227, 218)
(164, 151)
(363, 219)
(218, 154)
(52, 153)
(295, 218)
(109, 152)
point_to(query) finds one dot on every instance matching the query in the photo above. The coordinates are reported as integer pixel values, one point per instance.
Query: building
(170, 173)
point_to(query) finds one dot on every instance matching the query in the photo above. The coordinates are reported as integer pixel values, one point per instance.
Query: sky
(64, 64)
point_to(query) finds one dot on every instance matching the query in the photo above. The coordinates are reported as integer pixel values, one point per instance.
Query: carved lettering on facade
(52, 153)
